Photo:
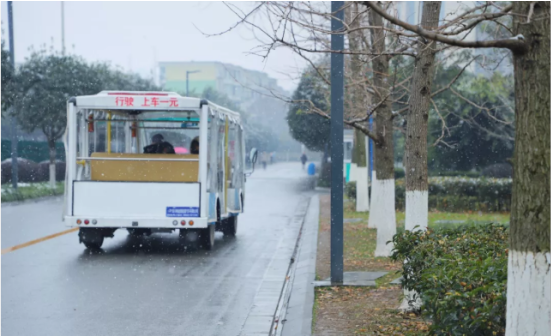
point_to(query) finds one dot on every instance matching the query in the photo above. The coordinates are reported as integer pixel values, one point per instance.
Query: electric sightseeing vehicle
(113, 181)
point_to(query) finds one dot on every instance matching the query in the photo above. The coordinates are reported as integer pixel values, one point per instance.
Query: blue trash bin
(312, 169)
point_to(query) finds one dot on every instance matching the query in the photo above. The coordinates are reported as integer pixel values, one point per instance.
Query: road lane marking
(36, 241)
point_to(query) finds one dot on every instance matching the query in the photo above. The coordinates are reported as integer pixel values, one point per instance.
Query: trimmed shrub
(324, 179)
(350, 190)
(399, 173)
(460, 274)
(44, 170)
(28, 171)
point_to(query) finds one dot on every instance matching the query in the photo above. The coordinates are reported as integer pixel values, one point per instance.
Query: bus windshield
(179, 129)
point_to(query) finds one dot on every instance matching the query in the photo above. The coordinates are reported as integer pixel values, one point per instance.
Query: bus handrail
(134, 159)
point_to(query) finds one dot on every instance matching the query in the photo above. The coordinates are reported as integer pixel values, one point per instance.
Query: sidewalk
(343, 310)
(298, 317)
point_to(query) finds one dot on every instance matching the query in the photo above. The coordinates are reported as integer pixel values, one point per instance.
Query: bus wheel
(91, 238)
(206, 237)
(230, 226)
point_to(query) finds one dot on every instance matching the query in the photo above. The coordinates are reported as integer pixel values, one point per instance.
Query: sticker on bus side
(182, 211)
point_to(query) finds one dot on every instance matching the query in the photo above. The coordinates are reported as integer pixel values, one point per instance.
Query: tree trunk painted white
(352, 175)
(528, 294)
(52, 175)
(374, 206)
(362, 194)
(52, 152)
(386, 224)
(416, 152)
(528, 272)
(417, 209)
(411, 301)
(382, 213)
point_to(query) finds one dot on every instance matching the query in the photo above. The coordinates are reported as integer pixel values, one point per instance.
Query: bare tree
(304, 28)
(383, 209)
(416, 153)
(359, 100)
(529, 271)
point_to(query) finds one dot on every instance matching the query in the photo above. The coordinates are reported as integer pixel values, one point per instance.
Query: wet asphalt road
(150, 286)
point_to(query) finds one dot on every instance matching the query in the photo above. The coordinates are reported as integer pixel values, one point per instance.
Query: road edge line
(36, 241)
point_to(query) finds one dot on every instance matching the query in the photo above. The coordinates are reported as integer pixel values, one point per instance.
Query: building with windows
(241, 85)
(250, 90)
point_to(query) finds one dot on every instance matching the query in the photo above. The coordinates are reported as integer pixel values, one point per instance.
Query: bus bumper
(136, 223)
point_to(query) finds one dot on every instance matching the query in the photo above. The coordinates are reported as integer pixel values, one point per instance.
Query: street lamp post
(337, 127)
(14, 170)
(63, 28)
(187, 80)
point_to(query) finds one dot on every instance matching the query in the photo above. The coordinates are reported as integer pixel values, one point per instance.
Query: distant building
(250, 90)
(241, 85)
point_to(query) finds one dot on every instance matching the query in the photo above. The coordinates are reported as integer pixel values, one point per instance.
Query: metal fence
(36, 151)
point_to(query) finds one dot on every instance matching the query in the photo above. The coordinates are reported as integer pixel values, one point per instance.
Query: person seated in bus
(195, 146)
(159, 146)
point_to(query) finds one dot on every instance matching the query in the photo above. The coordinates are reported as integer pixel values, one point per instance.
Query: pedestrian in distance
(303, 159)
(264, 159)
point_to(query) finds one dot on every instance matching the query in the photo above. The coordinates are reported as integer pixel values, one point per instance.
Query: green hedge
(460, 274)
(35, 190)
(463, 194)
(454, 173)
(457, 194)
(36, 151)
(399, 173)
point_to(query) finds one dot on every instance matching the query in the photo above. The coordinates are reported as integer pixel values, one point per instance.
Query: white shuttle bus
(153, 162)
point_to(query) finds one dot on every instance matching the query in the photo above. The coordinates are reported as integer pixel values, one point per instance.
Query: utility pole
(63, 28)
(14, 170)
(187, 80)
(336, 136)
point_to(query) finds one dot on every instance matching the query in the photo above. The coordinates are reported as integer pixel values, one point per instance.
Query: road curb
(32, 200)
(299, 304)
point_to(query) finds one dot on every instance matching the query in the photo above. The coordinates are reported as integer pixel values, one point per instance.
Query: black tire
(91, 238)
(229, 227)
(206, 237)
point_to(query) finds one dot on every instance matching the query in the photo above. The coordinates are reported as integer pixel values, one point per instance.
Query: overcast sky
(136, 35)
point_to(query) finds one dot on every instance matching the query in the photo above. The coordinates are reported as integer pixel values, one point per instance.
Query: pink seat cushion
(180, 150)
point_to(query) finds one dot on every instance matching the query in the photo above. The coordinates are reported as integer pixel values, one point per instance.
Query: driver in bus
(159, 146)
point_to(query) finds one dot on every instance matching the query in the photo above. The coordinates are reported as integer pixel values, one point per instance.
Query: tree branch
(483, 17)
(352, 123)
(454, 79)
(515, 44)
(399, 112)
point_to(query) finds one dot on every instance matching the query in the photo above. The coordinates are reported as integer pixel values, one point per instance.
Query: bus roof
(147, 100)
